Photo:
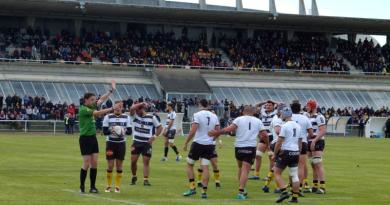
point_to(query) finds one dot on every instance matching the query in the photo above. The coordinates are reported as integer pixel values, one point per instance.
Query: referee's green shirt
(86, 120)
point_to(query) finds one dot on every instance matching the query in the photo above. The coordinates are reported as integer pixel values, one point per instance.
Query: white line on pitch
(105, 198)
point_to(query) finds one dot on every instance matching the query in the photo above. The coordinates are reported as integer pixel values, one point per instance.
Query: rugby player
(202, 148)
(306, 132)
(89, 147)
(146, 128)
(169, 133)
(116, 144)
(287, 150)
(267, 112)
(275, 126)
(316, 146)
(248, 129)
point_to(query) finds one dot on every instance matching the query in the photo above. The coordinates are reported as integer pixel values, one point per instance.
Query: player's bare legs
(217, 177)
(261, 148)
(318, 169)
(146, 162)
(191, 178)
(110, 167)
(134, 159)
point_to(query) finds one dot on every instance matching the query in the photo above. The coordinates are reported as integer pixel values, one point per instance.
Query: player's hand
(273, 158)
(220, 144)
(165, 133)
(185, 148)
(113, 85)
(151, 140)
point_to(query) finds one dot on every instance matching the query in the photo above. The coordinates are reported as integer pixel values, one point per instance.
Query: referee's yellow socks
(109, 178)
(217, 176)
(118, 178)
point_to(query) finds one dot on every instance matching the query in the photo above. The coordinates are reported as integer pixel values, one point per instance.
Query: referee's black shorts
(88, 145)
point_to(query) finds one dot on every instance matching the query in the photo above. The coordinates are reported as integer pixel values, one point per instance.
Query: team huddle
(284, 133)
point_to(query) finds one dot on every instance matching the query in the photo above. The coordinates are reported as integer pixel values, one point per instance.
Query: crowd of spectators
(273, 50)
(365, 55)
(33, 108)
(134, 47)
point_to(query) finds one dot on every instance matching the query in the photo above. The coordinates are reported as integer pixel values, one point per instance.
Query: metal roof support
(272, 8)
(314, 8)
(239, 6)
(162, 3)
(302, 8)
(202, 4)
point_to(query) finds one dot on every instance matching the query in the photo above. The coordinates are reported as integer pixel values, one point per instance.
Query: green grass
(44, 169)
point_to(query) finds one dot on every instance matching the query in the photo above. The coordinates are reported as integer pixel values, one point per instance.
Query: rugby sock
(315, 183)
(305, 183)
(109, 178)
(322, 184)
(270, 176)
(217, 176)
(241, 191)
(295, 195)
(192, 184)
(118, 178)
(199, 176)
(204, 189)
(175, 149)
(284, 189)
(166, 151)
(92, 176)
(83, 176)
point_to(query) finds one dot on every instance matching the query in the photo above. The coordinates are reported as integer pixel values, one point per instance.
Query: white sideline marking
(104, 198)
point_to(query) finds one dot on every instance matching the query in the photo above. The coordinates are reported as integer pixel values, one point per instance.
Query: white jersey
(207, 121)
(248, 128)
(290, 131)
(171, 117)
(266, 118)
(316, 120)
(112, 120)
(276, 122)
(305, 124)
(144, 127)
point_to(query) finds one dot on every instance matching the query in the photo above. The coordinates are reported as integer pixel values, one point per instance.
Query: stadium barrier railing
(167, 66)
(27, 126)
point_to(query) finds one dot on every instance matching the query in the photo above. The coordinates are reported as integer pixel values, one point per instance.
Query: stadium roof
(193, 16)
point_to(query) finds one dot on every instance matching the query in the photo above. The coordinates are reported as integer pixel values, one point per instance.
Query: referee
(88, 143)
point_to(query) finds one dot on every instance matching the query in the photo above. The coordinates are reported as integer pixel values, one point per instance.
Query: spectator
(67, 124)
(361, 126)
(1, 102)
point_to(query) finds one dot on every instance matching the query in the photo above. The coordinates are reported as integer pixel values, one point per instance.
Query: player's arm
(158, 129)
(106, 127)
(129, 129)
(217, 132)
(300, 144)
(321, 129)
(171, 121)
(194, 128)
(105, 97)
(136, 107)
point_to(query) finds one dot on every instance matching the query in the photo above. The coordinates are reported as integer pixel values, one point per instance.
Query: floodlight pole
(239, 6)
(302, 8)
(314, 8)
(202, 4)
(272, 8)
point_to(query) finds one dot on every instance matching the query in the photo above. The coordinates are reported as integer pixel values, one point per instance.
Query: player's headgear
(312, 104)
(286, 113)
(280, 107)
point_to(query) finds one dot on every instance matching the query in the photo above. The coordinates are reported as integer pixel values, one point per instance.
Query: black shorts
(270, 138)
(115, 150)
(141, 148)
(320, 145)
(287, 158)
(171, 134)
(198, 151)
(88, 145)
(246, 154)
(304, 148)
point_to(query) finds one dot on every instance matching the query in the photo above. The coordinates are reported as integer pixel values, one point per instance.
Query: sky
(347, 8)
